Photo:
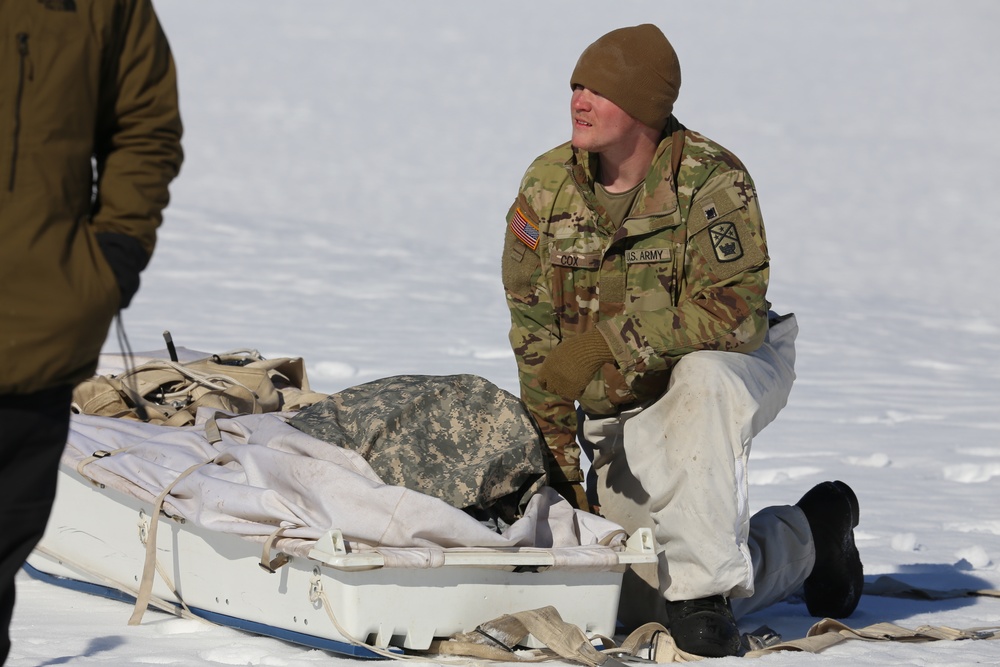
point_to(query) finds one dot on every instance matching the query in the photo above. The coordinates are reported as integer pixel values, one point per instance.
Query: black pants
(33, 430)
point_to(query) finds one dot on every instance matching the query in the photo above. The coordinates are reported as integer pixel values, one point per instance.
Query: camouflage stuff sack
(457, 437)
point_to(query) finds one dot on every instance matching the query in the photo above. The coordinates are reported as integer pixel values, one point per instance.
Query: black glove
(127, 259)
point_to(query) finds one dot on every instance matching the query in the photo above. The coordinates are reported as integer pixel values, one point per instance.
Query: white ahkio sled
(262, 528)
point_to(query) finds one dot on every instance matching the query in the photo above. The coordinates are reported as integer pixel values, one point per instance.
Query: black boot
(704, 627)
(833, 589)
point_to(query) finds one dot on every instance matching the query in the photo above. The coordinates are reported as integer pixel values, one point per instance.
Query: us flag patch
(524, 229)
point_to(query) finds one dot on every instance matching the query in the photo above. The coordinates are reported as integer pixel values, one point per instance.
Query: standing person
(90, 141)
(635, 268)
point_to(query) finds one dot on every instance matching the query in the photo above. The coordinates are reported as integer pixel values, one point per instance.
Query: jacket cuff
(619, 349)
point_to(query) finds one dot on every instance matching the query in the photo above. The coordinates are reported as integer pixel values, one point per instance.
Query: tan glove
(571, 365)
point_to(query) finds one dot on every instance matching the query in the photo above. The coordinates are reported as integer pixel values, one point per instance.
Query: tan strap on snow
(653, 639)
(496, 640)
(886, 586)
(830, 632)
(566, 640)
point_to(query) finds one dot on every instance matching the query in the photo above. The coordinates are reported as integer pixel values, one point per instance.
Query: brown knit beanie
(636, 68)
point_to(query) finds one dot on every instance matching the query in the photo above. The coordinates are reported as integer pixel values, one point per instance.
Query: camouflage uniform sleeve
(534, 332)
(721, 303)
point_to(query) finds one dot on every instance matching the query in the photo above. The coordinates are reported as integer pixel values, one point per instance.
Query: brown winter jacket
(89, 141)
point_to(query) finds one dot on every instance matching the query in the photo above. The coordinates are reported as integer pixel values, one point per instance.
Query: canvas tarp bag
(170, 392)
(458, 438)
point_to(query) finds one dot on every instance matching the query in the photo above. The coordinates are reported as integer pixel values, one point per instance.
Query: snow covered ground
(348, 168)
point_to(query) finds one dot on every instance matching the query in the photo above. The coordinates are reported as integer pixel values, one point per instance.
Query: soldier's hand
(571, 365)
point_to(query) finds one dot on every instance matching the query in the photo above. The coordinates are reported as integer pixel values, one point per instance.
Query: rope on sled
(154, 601)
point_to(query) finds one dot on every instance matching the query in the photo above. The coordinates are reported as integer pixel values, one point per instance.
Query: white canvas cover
(256, 474)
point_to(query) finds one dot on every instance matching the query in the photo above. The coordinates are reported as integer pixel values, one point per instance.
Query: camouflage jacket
(687, 270)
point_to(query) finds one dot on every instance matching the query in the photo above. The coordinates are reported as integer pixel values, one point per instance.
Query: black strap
(676, 152)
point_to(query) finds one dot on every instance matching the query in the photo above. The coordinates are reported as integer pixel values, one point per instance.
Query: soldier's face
(599, 125)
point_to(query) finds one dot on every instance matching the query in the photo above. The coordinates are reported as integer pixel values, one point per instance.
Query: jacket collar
(657, 197)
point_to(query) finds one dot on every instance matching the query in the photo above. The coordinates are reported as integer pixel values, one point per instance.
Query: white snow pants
(679, 467)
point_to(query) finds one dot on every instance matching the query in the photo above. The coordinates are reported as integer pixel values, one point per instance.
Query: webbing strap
(652, 642)
(496, 639)
(99, 454)
(890, 587)
(267, 563)
(566, 639)
(150, 565)
(676, 153)
(830, 632)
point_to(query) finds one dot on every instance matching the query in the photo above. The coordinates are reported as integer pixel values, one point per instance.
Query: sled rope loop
(156, 602)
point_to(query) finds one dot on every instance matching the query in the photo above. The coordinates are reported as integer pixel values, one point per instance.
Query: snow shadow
(96, 645)
(922, 589)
